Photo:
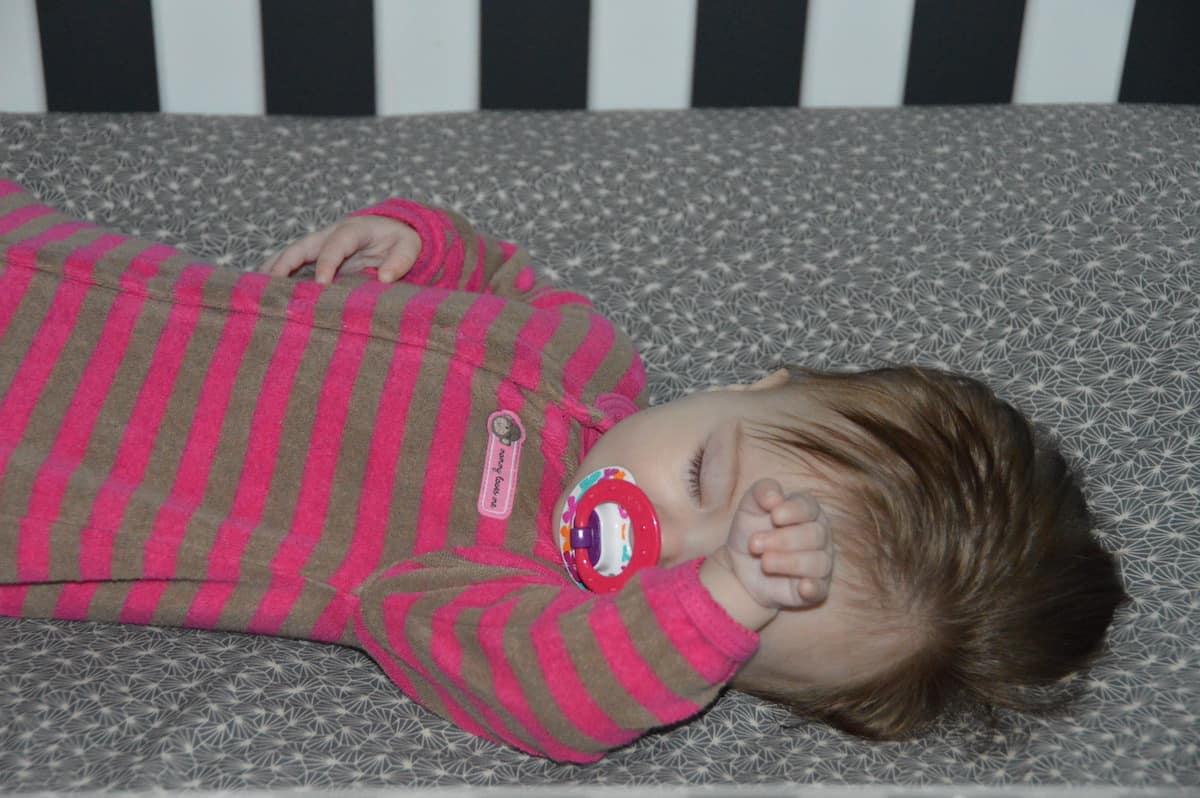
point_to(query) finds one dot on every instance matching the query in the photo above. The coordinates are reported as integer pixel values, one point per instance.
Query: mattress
(1052, 251)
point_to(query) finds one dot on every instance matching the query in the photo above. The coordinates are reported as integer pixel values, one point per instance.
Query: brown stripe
(40, 600)
(232, 444)
(111, 422)
(295, 443)
(313, 600)
(654, 648)
(612, 368)
(418, 632)
(600, 682)
(464, 515)
(477, 673)
(243, 602)
(484, 386)
(170, 438)
(19, 199)
(53, 411)
(108, 600)
(523, 660)
(173, 604)
(349, 482)
(414, 453)
(17, 482)
(378, 625)
(567, 339)
(522, 537)
(35, 227)
(470, 241)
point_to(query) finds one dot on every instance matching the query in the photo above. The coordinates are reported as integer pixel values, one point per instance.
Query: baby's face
(694, 458)
(662, 447)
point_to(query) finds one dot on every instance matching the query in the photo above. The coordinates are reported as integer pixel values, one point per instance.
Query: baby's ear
(773, 380)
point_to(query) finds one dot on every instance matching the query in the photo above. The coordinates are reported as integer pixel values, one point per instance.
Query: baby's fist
(780, 547)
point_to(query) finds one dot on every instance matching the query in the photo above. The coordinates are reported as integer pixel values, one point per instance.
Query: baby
(968, 570)
(381, 460)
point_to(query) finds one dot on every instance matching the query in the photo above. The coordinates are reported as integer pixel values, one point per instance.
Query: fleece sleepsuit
(183, 444)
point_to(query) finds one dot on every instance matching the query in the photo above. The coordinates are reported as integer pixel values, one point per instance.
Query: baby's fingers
(796, 508)
(400, 258)
(292, 257)
(342, 243)
(798, 564)
(797, 537)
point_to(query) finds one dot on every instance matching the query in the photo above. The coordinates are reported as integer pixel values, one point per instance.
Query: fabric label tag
(499, 484)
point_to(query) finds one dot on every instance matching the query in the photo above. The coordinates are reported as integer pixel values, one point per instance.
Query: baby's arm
(424, 246)
(779, 554)
(502, 646)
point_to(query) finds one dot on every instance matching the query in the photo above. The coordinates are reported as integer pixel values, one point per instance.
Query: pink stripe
(555, 298)
(71, 441)
(567, 687)
(320, 467)
(713, 644)
(634, 379)
(24, 215)
(395, 610)
(9, 187)
(142, 600)
(592, 351)
(133, 455)
(33, 551)
(336, 619)
(453, 257)
(555, 431)
(450, 429)
(526, 372)
(447, 654)
(441, 246)
(75, 600)
(195, 464)
(21, 259)
(476, 281)
(507, 687)
(493, 531)
(371, 523)
(12, 600)
(258, 467)
(209, 602)
(635, 675)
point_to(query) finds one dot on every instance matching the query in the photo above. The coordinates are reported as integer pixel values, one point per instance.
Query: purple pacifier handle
(588, 537)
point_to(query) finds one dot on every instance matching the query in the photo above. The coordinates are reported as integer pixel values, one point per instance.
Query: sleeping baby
(426, 452)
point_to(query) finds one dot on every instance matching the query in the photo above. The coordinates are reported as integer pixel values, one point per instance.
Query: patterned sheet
(1053, 251)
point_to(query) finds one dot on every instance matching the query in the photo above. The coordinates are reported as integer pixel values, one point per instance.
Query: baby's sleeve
(503, 647)
(457, 257)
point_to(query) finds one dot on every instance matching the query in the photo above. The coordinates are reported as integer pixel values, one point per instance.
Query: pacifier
(609, 530)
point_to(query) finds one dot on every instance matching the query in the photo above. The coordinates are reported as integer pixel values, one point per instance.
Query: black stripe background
(1162, 62)
(963, 52)
(533, 53)
(745, 58)
(319, 56)
(98, 56)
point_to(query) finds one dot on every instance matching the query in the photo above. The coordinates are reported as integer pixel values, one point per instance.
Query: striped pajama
(182, 444)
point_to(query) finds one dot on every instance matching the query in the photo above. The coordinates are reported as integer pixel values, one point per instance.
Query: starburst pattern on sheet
(1054, 252)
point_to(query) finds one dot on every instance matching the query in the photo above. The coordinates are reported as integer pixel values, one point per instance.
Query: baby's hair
(966, 522)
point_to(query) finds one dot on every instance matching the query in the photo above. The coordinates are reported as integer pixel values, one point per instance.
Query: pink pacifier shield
(608, 530)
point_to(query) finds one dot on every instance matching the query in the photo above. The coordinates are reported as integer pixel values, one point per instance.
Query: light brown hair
(968, 520)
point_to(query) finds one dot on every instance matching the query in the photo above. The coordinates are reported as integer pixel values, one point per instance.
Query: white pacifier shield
(615, 529)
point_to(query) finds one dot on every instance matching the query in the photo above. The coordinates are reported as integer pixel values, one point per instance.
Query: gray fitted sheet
(1053, 251)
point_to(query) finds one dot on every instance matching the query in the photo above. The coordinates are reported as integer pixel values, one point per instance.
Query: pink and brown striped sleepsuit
(183, 444)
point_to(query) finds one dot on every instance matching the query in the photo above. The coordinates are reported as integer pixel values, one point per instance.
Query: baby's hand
(351, 245)
(780, 547)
